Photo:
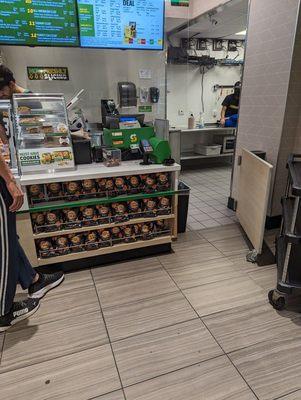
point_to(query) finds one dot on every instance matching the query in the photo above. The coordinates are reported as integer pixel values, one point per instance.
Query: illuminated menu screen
(39, 22)
(125, 24)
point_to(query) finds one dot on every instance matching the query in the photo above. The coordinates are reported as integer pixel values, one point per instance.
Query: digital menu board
(39, 22)
(122, 24)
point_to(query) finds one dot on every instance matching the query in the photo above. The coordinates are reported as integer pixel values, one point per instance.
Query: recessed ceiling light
(242, 32)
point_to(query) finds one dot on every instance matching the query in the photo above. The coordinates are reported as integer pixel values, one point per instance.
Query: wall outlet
(180, 112)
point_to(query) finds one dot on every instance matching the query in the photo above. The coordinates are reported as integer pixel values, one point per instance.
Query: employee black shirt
(232, 104)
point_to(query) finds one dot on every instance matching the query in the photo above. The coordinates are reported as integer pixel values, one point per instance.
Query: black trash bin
(183, 203)
(260, 154)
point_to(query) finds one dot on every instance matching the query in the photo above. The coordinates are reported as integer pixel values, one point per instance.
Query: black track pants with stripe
(14, 265)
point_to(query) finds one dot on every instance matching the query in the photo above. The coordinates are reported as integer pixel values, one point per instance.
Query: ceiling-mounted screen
(39, 22)
(122, 24)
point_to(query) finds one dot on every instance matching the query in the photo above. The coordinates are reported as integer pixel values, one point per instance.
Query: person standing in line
(14, 265)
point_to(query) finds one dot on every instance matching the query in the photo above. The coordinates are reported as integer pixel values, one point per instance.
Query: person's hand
(17, 195)
(3, 136)
(223, 121)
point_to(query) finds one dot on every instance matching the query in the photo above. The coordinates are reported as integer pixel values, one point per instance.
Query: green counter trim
(90, 202)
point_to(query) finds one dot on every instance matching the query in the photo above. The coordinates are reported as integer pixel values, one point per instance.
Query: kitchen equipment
(82, 151)
(227, 142)
(212, 150)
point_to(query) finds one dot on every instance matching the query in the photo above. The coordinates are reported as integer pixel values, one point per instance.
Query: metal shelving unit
(288, 244)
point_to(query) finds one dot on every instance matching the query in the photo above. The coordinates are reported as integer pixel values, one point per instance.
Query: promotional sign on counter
(44, 159)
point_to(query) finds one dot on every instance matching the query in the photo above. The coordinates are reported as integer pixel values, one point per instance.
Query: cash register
(128, 133)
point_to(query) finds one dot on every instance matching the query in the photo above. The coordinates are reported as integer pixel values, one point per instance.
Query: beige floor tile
(232, 245)
(79, 376)
(188, 237)
(241, 264)
(117, 286)
(224, 295)
(125, 269)
(111, 396)
(178, 245)
(203, 272)
(75, 280)
(215, 379)
(222, 232)
(245, 326)
(265, 277)
(158, 352)
(193, 254)
(272, 368)
(40, 343)
(61, 305)
(146, 315)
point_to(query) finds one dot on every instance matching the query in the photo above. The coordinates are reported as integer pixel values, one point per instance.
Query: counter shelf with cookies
(77, 190)
(136, 209)
(99, 240)
(117, 213)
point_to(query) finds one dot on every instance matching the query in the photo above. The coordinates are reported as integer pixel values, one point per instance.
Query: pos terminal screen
(39, 22)
(122, 24)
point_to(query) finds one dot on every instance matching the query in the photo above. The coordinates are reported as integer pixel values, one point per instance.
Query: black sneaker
(45, 283)
(20, 311)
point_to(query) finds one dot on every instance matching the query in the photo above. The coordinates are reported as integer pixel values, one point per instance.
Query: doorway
(205, 62)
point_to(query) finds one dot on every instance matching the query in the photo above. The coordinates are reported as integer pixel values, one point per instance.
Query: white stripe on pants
(4, 254)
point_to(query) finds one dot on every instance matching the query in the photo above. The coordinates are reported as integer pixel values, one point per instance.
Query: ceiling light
(241, 33)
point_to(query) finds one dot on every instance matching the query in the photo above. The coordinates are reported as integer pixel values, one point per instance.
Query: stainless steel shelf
(190, 155)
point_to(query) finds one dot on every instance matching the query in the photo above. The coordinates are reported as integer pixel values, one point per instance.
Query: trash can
(183, 202)
(260, 154)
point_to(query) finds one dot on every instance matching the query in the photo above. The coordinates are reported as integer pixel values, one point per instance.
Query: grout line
(2, 348)
(139, 300)
(224, 353)
(173, 371)
(110, 343)
(51, 359)
(154, 330)
(230, 360)
(287, 394)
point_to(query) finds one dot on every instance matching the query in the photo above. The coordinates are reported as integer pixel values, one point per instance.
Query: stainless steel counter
(182, 141)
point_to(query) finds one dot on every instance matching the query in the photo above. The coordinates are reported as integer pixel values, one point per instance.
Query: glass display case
(42, 133)
(7, 150)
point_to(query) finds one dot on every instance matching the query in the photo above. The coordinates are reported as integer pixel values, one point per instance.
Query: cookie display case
(42, 135)
(97, 211)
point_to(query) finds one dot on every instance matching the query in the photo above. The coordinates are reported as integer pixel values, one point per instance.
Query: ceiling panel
(223, 22)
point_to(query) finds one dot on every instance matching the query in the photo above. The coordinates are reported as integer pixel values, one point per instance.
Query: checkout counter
(73, 214)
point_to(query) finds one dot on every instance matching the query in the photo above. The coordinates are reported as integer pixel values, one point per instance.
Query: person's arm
(223, 115)
(225, 105)
(11, 184)
(3, 136)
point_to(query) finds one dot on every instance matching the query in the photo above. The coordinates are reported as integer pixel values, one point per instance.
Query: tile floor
(210, 189)
(191, 325)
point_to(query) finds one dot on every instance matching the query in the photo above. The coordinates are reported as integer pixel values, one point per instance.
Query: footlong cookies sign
(45, 159)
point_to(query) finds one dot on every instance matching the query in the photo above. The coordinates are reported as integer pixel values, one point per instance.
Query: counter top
(218, 129)
(97, 170)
